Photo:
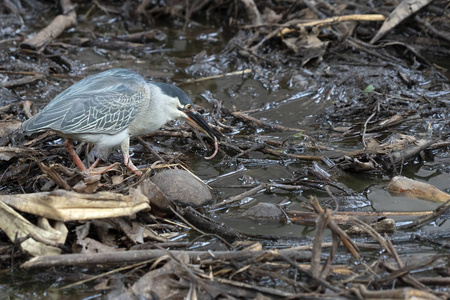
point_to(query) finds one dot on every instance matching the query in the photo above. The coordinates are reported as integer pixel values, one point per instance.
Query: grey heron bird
(108, 108)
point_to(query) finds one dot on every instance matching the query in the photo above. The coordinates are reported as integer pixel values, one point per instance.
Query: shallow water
(297, 102)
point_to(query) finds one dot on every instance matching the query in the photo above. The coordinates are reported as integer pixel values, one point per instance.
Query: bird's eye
(188, 106)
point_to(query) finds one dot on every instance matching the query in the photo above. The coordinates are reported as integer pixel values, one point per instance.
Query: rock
(182, 188)
(263, 211)
(158, 200)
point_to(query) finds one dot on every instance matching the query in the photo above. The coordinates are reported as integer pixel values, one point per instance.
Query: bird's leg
(94, 164)
(130, 165)
(125, 147)
(68, 144)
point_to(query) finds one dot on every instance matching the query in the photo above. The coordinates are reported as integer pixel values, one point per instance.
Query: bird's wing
(103, 103)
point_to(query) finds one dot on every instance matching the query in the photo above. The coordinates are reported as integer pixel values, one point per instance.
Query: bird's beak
(196, 120)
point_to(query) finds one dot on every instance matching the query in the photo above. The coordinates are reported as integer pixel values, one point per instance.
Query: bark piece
(400, 185)
(70, 206)
(55, 28)
(41, 240)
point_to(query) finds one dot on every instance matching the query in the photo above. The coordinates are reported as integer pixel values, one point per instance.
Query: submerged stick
(260, 123)
(239, 197)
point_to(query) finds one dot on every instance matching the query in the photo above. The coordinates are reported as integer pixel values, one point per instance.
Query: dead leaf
(308, 47)
(252, 11)
(372, 143)
(270, 16)
(105, 230)
(116, 180)
(400, 13)
(82, 231)
(88, 185)
(157, 198)
(89, 245)
(161, 283)
(395, 119)
(9, 127)
(133, 231)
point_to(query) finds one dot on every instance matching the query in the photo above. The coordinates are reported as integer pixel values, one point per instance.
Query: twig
(246, 71)
(308, 273)
(348, 243)
(365, 128)
(149, 148)
(322, 223)
(424, 23)
(101, 275)
(439, 211)
(55, 28)
(260, 123)
(280, 153)
(372, 232)
(238, 197)
(23, 81)
(333, 20)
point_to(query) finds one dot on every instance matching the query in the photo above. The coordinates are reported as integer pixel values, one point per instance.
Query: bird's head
(186, 109)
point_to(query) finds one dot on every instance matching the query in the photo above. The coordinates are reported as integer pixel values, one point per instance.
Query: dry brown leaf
(133, 231)
(9, 127)
(89, 245)
(400, 13)
(161, 283)
(307, 47)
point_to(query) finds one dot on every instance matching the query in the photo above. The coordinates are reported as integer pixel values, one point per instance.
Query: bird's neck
(156, 110)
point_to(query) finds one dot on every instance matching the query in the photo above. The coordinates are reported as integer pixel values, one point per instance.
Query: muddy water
(298, 107)
(285, 107)
(297, 102)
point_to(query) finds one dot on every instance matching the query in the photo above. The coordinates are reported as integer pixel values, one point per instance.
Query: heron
(108, 108)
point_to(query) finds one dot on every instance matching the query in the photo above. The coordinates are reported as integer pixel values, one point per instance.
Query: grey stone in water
(263, 211)
(182, 188)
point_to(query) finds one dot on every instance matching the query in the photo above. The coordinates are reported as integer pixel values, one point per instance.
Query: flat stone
(263, 211)
(182, 188)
